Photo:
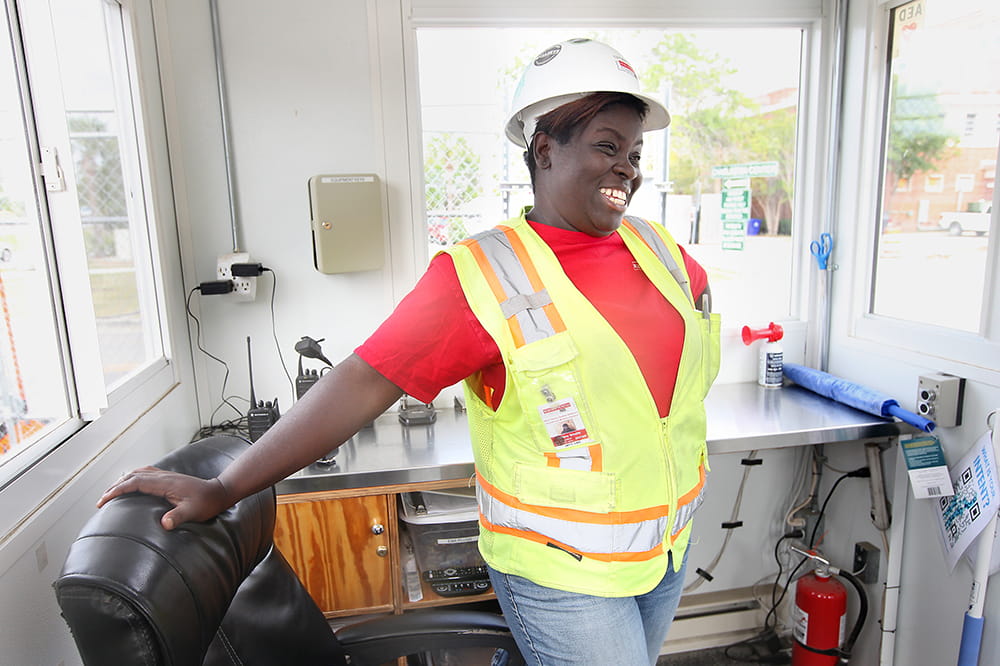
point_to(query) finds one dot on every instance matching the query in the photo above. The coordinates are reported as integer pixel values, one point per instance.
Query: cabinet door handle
(382, 551)
(377, 528)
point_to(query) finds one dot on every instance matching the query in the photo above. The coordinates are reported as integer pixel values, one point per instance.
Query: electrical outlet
(245, 288)
(940, 397)
(866, 559)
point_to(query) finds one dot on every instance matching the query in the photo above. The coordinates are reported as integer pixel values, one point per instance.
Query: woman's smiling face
(587, 183)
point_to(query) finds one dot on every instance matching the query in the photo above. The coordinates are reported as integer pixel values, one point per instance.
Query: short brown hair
(563, 122)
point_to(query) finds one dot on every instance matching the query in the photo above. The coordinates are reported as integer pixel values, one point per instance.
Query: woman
(567, 314)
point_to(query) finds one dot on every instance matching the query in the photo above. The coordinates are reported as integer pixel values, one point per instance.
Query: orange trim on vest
(575, 515)
(596, 458)
(544, 540)
(689, 496)
(552, 459)
(536, 281)
(494, 282)
(631, 227)
(487, 270)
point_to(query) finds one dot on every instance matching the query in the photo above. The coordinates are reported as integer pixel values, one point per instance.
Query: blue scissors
(821, 249)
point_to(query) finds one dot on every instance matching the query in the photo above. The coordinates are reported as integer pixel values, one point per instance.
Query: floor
(712, 657)
(747, 653)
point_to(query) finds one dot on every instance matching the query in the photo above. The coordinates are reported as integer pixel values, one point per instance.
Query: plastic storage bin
(444, 529)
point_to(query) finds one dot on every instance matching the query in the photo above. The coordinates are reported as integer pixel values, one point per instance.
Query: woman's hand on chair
(194, 499)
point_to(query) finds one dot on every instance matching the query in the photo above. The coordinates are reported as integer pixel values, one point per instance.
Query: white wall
(301, 97)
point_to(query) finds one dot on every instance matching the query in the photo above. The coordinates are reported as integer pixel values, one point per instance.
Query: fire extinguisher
(820, 615)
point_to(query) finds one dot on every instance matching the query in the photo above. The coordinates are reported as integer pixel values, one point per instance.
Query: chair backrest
(204, 593)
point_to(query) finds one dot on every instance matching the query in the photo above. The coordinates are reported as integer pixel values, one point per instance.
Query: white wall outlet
(940, 397)
(245, 288)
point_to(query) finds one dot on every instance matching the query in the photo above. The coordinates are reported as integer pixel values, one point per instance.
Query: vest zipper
(671, 481)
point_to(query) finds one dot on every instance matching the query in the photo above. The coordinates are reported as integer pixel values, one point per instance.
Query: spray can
(771, 363)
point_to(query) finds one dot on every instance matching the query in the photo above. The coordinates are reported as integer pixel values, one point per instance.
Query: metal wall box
(347, 222)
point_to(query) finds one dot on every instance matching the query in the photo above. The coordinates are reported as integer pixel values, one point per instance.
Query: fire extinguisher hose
(844, 651)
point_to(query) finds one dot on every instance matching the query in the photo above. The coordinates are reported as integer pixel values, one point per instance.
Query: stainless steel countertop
(741, 417)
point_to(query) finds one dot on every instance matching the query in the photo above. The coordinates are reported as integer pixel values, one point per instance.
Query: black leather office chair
(218, 593)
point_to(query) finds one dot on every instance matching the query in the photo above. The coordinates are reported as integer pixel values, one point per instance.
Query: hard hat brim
(657, 117)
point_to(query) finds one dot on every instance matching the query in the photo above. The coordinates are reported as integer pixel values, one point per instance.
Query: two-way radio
(262, 415)
(308, 348)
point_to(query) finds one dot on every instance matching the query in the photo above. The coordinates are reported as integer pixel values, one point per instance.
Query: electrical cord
(861, 472)
(816, 472)
(238, 426)
(775, 603)
(255, 270)
(274, 332)
(197, 340)
(706, 572)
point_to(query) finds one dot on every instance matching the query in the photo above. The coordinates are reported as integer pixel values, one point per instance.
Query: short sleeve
(432, 339)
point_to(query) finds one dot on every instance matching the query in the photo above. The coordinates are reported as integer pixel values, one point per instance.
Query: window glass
(720, 178)
(943, 92)
(99, 122)
(77, 298)
(32, 386)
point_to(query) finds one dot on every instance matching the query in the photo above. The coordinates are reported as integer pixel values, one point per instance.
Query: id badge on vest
(563, 423)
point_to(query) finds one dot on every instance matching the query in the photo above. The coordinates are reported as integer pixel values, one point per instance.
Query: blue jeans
(556, 628)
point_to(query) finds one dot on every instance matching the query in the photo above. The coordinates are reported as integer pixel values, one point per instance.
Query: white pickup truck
(956, 222)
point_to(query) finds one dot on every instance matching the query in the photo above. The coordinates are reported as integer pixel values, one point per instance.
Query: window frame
(804, 334)
(860, 200)
(59, 456)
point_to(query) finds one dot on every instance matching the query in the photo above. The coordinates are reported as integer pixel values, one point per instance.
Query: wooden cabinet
(342, 550)
(344, 547)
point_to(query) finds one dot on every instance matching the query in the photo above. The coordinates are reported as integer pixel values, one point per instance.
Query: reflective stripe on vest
(527, 306)
(643, 230)
(633, 535)
(685, 512)
(584, 458)
(511, 274)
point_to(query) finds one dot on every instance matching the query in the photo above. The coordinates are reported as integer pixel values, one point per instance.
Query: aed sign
(910, 15)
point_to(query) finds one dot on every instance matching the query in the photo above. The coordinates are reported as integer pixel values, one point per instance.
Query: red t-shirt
(433, 340)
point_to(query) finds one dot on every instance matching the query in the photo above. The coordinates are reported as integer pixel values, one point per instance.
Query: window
(77, 293)
(943, 70)
(934, 182)
(734, 98)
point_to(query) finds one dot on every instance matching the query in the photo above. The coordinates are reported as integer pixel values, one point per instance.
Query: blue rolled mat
(853, 395)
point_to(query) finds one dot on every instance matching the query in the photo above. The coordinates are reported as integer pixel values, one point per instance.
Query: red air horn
(770, 369)
(773, 333)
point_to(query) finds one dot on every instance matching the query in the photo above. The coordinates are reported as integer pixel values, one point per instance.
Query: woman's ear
(542, 145)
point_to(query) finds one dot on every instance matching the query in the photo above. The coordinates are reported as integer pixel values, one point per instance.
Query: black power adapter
(215, 287)
(247, 270)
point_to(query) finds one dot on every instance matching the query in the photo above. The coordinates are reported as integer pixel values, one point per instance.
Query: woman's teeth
(614, 195)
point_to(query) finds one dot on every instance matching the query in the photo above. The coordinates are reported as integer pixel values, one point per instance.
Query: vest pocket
(711, 352)
(556, 409)
(556, 487)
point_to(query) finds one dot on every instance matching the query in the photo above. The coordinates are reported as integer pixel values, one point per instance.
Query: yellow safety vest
(581, 485)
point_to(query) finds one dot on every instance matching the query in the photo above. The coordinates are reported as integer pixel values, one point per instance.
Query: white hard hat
(569, 71)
